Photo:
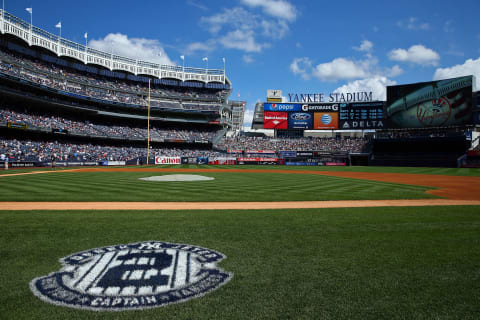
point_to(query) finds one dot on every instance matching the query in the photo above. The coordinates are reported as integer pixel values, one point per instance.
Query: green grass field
(363, 263)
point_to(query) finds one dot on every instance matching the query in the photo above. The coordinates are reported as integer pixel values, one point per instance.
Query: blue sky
(295, 46)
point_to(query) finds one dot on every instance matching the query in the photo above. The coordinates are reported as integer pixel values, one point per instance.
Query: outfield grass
(227, 186)
(364, 263)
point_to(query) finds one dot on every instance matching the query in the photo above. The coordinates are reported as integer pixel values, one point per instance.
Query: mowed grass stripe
(227, 186)
(363, 263)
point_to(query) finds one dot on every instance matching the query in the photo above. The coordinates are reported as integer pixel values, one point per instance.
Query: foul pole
(148, 124)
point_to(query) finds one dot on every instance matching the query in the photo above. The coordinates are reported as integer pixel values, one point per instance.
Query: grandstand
(63, 98)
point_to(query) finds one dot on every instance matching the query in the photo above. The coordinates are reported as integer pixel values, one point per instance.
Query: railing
(35, 36)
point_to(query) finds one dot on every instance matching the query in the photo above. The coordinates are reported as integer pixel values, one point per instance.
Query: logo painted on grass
(132, 276)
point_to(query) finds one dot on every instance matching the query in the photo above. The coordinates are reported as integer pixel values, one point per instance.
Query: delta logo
(325, 120)
(133, 276)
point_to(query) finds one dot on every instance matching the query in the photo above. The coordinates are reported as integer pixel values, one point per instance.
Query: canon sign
(168, 160)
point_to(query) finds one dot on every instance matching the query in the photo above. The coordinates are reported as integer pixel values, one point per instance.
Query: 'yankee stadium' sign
(332, 97)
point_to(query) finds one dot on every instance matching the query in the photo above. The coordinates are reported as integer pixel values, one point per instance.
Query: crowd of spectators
(297, 144)
(114, 90)
(21, 150)
(104, 130)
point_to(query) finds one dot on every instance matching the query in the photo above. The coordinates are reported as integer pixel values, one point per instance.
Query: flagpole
(148, 123)
(86, 49)
(59, 49)
(30, 10)
(224, 80)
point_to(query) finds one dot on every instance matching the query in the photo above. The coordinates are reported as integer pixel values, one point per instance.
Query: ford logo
(301, 116)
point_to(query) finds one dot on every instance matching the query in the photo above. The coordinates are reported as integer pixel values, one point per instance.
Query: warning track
(457, 190)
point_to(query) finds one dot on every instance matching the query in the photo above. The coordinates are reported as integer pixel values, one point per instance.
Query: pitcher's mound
(178, 177)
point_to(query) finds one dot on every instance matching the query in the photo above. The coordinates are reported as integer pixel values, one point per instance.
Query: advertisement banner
(296, 163)
(288, 154)
(430, 104)
(189, 160)
(252, 161)
(300, 120)
(275, 120)
(222, 161)
(261, 151)
(168, 160)
(257, 161)
(111, 163)
(325, 121)
(335, 164)
(304, 154)
(202, 160)
(323, 107)
(277, 107)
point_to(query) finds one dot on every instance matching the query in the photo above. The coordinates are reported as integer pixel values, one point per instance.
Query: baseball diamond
(208, 160)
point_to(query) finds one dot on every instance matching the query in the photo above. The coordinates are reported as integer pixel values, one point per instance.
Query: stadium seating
(94, 86)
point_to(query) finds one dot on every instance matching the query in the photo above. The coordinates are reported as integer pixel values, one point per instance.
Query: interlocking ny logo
(133, 276)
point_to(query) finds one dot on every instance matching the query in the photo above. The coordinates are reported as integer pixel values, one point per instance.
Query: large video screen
(324, 116)
(430, 104)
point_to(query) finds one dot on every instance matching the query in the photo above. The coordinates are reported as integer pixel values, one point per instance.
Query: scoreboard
(324, 116)
(364, 115)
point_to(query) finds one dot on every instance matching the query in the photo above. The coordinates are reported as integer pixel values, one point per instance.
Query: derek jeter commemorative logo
(132, 276)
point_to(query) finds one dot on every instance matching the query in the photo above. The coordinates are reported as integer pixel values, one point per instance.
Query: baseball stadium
(130, 191)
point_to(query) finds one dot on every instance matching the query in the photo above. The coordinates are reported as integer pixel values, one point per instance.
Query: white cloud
(377, 85)
(242, 40)
(302, 67)
(240, 28)
(412, 23)
(394, 71)
(469, 67)
(135, 48)
(276, 8)
(365, 46)
(417, 54)
(197, 5)
(237, 18)
(342, 68)
(274, 29)
(194, 47)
